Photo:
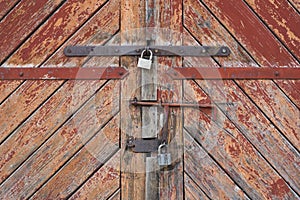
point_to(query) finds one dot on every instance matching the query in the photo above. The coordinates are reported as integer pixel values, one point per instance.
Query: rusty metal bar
(135, 102)
(234, 73)
(62, 73)
(202, 51)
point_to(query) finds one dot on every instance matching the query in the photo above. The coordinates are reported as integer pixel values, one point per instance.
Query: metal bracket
(234, 73)
(139, 145)
(62, 73)
(202, 51)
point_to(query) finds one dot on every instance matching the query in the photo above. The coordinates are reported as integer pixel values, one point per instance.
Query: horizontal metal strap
(62, 73)
(227, 73)
(202, 51)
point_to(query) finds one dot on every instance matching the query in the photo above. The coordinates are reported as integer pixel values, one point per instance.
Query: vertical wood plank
(132, 164)
(169, 20)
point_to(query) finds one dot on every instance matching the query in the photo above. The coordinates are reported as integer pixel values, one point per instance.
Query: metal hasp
(229, 73)
(62, 73)
(139, 145)
(201, 51)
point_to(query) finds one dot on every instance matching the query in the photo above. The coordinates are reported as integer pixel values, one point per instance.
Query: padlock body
(144, 63)
(164, 159)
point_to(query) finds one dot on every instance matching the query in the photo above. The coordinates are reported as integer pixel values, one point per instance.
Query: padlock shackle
(145, 50)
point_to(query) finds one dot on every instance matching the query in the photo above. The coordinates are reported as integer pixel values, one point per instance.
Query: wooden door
(67, 139)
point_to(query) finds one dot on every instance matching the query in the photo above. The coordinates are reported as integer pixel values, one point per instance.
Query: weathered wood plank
(62, 25)
(207, 174)
(168, 20)
(192, 190)
(23, 102)
(132, 164)
(71, 137)
(94, 154)
(21, 21)
(234, 153)
(6, 6)
(258, 40)
(31, 94)
(282, 19)
(296, 4)
(116, 196)
(269, 94)
(259, 131)
(7, 87)
(103, 183)
(42, 124)
(245, 120)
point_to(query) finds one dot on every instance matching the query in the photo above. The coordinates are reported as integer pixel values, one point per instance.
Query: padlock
(163, 158)
(145, 63)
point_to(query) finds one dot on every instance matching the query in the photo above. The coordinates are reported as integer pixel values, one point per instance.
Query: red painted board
(21, 21)
(282, 19)
(6, 6)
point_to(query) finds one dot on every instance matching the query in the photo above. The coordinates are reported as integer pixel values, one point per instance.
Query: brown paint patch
(279, 189)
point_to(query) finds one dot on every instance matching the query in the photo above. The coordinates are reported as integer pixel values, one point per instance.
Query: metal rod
(169, 104)
(62, 73)
(249, 73)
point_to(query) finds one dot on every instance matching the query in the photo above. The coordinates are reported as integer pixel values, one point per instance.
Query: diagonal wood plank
(7, 87)
(21, 21)
(282, 19)
(270, 94)
(235, 95)
(116, 196)
(43, 123)
(192, 190)
(235, 154)
(66, 141)
(31, 94)
(207, 174)
(296, 4)
(260, 42)
(258, 130)
(90, 158)
(6, 6)
(103, 183)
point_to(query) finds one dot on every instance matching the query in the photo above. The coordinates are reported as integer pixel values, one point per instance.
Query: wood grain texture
(63, 144)
(192, 190)
(43, 123)
(270, 94)
(282, 19)
(257, 39)
(258, 130)
(207, 174)
(296, 4)
(235, 154)
(21, 21)
(116, 195)
(90, 158)
(32, 93)
(6, 6)
(103, 183)
(7, 87)
(234, 95)
(133, 174)
(22, 103)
